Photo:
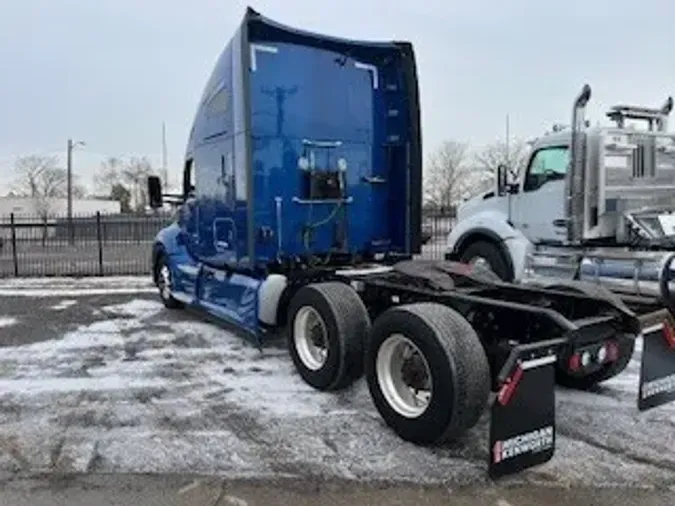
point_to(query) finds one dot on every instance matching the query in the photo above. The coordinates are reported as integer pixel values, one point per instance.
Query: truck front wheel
(327, 324)
(427, 372)
(487, 254)
(163, 279)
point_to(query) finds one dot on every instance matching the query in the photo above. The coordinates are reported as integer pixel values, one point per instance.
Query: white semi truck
(592, 201)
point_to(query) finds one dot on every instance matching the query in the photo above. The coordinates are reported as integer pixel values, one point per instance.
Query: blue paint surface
(306, 94)
(274, 95)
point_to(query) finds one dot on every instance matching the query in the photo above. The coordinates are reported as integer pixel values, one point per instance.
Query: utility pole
(165, 170)
(69, 191)
(70, 179)
(508, 135)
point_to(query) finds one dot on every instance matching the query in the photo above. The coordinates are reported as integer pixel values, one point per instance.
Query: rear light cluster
(602, 354)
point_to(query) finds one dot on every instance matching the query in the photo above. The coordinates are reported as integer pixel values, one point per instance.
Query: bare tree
(125, 181)
(121, 194)
(109, 175)
(32, 172)
(41, 179)
(443, 174)
(514, 156)
(135, 174)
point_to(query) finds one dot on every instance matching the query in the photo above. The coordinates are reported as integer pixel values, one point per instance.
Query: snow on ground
(144, 389)
(74, 287)
(64, 304)
(61, 283)
(7, 321)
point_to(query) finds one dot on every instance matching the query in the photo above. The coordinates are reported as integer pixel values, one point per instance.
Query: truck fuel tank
(641, 273)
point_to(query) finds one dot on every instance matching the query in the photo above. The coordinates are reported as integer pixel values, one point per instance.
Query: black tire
(459, 370)
(165, 295)
(626, 342)
(346, 322)
(493, 255)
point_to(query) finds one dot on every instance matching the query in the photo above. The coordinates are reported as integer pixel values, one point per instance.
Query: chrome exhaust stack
(574, 182)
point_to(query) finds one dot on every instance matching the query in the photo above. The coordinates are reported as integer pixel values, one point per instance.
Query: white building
(27, 207)
(29, 214)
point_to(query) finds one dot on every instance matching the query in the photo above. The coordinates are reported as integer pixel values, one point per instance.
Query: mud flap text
(657, 369)
(522, 425)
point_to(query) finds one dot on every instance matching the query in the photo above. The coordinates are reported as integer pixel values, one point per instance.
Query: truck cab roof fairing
(261, 28)
(256, 27)
(237, 54)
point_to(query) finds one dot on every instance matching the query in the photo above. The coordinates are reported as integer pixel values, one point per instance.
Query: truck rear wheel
(427, 372)
(327, 325)
(488, 255)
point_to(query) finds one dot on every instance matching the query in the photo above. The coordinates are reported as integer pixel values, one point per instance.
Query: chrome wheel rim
(311, 338)
(480, 262)
(165, 282)
(404, 376)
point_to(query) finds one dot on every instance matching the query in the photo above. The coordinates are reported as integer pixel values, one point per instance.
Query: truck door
(539, 207)
(214, 239)
(185, 275)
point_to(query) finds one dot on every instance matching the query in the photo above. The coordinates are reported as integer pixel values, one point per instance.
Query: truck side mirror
(502, 180)
(155, 192)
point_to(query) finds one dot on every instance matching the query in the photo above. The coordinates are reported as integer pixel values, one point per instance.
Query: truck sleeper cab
(305, 157)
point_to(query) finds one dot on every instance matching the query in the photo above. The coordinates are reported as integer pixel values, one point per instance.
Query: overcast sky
(109, 72)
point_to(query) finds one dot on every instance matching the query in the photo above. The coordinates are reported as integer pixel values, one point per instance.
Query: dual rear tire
(327, 326)
(425, 367)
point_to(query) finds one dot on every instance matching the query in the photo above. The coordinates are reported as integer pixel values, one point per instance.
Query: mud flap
(657, 369)
(522, 425)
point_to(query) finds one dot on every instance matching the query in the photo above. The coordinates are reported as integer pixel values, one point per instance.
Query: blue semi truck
(301, 212)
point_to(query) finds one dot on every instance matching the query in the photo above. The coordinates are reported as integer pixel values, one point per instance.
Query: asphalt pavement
(123, 490)
(106, 398)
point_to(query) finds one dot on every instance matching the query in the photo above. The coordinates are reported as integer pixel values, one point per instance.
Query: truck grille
(646, 160)
(644, 156)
